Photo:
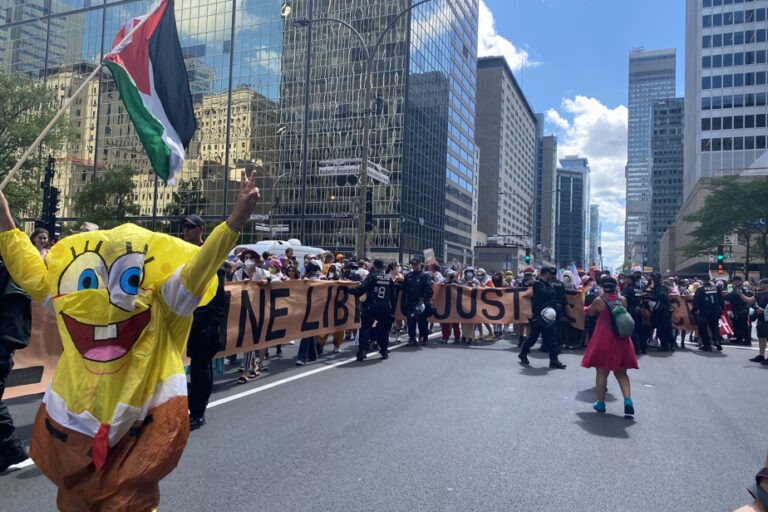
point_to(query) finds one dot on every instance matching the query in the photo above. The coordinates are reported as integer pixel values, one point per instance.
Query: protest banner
(682, 315)
(259, 316)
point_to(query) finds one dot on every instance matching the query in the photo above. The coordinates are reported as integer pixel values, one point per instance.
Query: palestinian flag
(151, 76)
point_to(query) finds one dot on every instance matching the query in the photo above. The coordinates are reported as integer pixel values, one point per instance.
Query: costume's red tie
(100, 446)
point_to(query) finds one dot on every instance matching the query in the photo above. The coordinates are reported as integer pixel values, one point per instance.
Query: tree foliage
(188, 198)
(108, 200)
(26, 107)
(735, 205)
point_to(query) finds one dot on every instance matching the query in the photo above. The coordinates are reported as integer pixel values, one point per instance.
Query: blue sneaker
(628, 407)
(599, 406)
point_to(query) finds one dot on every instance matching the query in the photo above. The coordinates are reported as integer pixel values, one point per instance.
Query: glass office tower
(651, 78)
(286, 100)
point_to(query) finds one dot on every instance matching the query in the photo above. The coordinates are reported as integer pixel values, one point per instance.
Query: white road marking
(286, 380)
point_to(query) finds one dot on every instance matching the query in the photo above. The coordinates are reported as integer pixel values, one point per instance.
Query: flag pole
(66, 105)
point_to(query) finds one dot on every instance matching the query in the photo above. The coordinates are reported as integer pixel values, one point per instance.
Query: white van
(278, 247)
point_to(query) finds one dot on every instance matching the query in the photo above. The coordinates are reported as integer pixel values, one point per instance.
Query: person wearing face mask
(547, 306)
(449, 277)
(250, 271)
(470, 281)
(334, 274)
(312, 271)
(274, 268)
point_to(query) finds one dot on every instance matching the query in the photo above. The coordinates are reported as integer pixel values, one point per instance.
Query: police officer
(378, 306)
(634, 298)
(547, 293)
(15, 328)
(760, 305)
(661, 313)
(708, 306)
(740, 299)
(417, 288)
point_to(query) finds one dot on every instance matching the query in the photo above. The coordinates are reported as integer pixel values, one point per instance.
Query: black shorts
(762, 329)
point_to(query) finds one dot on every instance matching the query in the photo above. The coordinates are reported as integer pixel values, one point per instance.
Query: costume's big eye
(130, 280)
(87, 280)
(125, 277)
(86, 272)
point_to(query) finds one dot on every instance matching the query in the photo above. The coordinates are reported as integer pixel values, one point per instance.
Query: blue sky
(571, 60)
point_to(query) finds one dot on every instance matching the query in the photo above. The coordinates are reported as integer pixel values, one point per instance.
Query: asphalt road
(452, 428)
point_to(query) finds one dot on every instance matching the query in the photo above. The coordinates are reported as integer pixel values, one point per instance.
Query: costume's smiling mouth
(105, 343)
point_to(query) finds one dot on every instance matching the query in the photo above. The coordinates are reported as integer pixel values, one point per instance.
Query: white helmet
(548, 315)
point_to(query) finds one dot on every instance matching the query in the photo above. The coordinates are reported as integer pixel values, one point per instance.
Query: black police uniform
(740, 316)
(205, 339)
(379, 307)
(661, 317)
(634, 298)
(15, 327)
(546, 294)
(417, 286)
(708, 306)
(762, 325)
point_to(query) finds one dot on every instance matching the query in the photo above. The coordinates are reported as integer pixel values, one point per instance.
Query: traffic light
(53, 199)
(527, 255)
(719, 259)
(369, 209)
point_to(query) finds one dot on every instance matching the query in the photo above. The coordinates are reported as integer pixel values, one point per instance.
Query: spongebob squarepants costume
(114, 420)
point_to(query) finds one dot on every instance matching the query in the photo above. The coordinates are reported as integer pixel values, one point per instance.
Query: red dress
(606, 350)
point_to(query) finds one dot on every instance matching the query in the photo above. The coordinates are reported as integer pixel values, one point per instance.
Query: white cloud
(587, 128)
(491, 44)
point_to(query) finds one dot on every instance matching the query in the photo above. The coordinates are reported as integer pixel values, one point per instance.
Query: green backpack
(622, 323)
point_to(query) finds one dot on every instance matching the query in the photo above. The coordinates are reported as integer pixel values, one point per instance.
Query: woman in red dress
(607, 352)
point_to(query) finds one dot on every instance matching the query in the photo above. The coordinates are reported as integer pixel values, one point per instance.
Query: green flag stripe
(149, 129)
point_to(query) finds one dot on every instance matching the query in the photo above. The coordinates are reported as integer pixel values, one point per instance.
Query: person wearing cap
(546, 295)
(378, 307)
(416, 304)
(740, 299)
(661, 313)
(85, 227)
(204, 337)
(761, 309)
(308, 346)
(707, 308)
(634, 299)
(485, 280)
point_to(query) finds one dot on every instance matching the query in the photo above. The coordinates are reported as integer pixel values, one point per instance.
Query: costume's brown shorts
(129, 479)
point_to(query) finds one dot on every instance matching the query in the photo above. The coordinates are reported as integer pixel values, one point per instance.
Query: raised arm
(204, 264)
(23, 261)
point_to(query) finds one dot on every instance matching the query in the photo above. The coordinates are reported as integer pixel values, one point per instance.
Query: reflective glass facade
(282, 99)
(651, 78)
(573, 218)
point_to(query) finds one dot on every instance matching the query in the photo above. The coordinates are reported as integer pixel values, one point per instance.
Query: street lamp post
(370, 53)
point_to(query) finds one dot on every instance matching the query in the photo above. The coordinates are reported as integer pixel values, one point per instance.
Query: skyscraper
(572, 212)
(545, 199)
(285, 99)
(507, 141)
(595, 234)
(725, 89)
(651, 78)
(667, 171)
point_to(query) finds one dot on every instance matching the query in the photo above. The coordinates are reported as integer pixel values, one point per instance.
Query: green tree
(188, 198)
(735, 205)
(108, 200)
(26, 107)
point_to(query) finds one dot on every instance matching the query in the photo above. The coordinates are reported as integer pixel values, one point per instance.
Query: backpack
(622, 323)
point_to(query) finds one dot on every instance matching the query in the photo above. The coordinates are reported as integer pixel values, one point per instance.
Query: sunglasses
(187, 225)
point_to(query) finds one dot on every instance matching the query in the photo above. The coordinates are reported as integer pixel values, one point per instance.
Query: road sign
(732, 239)
(730, 257)
(351, 166)
(277, 228)
(429, 255)
(256, 216)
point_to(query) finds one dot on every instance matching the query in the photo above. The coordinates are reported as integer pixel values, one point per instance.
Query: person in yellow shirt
(114, 420)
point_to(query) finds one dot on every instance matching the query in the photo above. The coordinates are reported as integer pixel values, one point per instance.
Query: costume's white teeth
(105, 332)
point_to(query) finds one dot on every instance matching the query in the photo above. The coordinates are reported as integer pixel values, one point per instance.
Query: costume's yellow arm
(24, 264)
(199, 270)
